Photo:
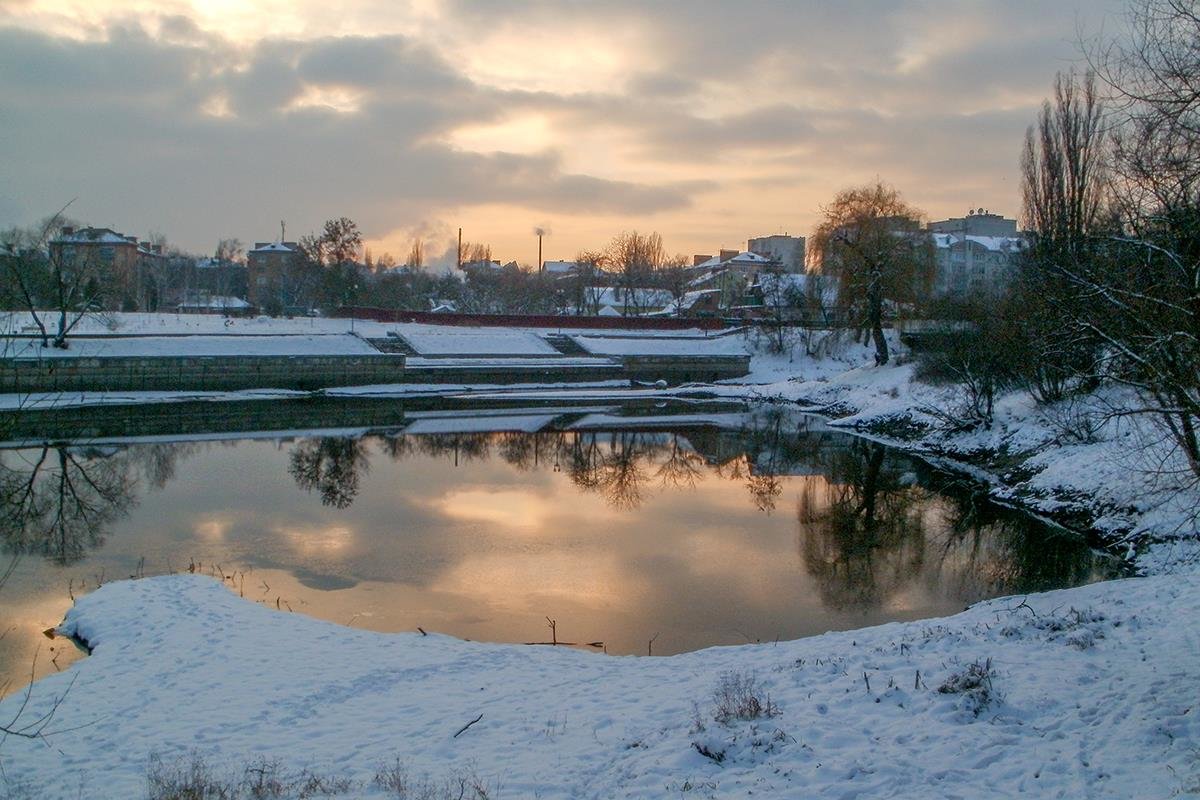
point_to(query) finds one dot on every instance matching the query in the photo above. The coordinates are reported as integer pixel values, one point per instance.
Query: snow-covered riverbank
(1082, 693)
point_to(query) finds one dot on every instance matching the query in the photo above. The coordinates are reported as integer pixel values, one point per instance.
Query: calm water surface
(686, 532)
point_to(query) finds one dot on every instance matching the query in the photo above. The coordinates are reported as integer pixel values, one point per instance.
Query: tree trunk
(875, 318)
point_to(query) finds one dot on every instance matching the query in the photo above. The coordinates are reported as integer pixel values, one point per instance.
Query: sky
(709, 122)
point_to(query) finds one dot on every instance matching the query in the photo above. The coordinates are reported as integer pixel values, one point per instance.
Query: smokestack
(540, 231)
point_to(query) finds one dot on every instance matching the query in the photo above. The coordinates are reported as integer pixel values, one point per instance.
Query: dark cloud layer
(184, 130)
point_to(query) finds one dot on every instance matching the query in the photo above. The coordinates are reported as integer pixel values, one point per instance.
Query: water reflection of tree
(614, 465)
(59, 501)
(623, 469)
(330, 465)
(984, 549)
(770, 445)
(621, 465)
(863, 539)
(681, 466)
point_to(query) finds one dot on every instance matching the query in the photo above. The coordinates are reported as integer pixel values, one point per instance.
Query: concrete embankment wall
(197, 373)
(230, 373)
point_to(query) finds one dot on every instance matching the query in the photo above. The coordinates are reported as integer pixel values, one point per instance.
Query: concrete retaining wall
(199, 417)
(230, 373)
(197, 373)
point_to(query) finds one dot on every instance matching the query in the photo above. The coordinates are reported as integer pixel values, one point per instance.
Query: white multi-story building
(975, 254)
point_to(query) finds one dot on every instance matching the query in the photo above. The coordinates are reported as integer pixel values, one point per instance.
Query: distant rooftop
(274, 247)
(741, 259)
(71, 235)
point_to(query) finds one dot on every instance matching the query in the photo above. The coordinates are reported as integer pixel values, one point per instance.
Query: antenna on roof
(282, 231)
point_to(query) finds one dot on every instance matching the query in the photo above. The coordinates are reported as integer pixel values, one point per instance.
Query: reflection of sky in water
(487, 550)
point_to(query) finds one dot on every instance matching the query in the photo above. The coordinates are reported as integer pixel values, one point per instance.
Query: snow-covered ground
(1083, 693)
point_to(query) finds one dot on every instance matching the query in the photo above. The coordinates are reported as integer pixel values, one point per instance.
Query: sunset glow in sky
(708, 122)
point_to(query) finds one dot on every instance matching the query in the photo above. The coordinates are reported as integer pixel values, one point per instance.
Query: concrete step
(565, 344)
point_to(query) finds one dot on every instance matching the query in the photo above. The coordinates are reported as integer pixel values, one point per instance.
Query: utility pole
(459, 261)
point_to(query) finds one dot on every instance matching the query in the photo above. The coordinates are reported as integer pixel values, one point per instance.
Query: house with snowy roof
(620, 301)
(559, 269)
(743, 262)
(975, 264)
(205, 303)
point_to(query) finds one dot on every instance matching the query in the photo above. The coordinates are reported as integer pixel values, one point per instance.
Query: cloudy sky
(707, 121)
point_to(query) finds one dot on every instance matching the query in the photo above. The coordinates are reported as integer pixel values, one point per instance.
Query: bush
(976, 348)
(974, 683)
(395, 779)
(738, 696)
(191, 778)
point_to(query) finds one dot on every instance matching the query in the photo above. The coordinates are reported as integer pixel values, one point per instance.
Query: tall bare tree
(1065, 188)
(1063, 176)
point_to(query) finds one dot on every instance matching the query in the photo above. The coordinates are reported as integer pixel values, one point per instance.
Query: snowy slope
(1093, 694)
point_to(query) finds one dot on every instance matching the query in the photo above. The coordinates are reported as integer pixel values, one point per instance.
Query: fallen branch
(469, 724)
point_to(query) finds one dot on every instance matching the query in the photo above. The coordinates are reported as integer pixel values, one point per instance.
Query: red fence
(531, 320)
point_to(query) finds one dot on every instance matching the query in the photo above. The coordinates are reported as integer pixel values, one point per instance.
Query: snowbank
(1087, 692)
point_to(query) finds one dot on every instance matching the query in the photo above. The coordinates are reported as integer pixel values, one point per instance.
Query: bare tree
(52, 281)
(672, 276)
(977, 346)
(475, 252)
(634, 257)
(416, 256)
(1063, 177)
(588, 280)
(871, 240)
(1065, 184)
